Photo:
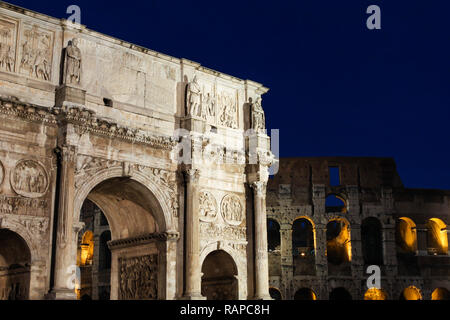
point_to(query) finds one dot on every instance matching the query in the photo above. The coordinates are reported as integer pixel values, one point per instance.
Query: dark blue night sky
(337, 88)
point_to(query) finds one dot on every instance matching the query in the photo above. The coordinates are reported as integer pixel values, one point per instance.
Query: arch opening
(437, 239)
(375, 294)
(275, 294)
(15, 264)
(339, 250)
(335, 203)
(440, 294)
(219, 280)
(411, 293)
(406, 244)
(372, 245)
(303, 247)
(123, 208)
(305, 294)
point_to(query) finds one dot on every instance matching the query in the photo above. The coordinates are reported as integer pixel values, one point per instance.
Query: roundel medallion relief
(29, 179)
(207, 206)
(231, 209)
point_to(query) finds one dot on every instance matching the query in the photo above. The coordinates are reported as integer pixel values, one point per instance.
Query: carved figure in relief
(138, 278)
(194, 97)
(258, 117)
(207, 206)
(72, 60)
(232, 210)
(7, 58)
(228, 116)
(36, 54)
(29, 179)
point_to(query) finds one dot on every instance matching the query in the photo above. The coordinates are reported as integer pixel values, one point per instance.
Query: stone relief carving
(138, 278)
(87, 167)
(258, 117)
(36, 56)
(216, 231)
(231, 209)
(29, 179)
(207, 206)
(228, 110)
(72, 61)
(37, 226)
(7, 46)
(23, 206)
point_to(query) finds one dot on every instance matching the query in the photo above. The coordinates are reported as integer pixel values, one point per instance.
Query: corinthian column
(193, 273)
(261, 256)
(65, 251)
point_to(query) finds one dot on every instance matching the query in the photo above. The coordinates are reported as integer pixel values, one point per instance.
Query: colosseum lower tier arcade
(329, 219)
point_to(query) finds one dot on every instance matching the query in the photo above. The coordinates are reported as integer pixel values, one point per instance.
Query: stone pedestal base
(193, 297)
(69, 94)
(264, 297)
(61, 294)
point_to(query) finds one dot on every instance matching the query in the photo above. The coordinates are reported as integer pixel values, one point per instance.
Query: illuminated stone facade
(160, 144)
(370, 219)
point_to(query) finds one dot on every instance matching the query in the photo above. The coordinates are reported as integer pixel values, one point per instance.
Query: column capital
(68, 153)
(192, 175)
(259, 187)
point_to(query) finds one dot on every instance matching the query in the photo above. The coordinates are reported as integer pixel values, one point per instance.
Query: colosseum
(331, 218)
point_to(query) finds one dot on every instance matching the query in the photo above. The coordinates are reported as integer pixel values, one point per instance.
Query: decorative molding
(2, 173)
(145, 239)
(16, 205)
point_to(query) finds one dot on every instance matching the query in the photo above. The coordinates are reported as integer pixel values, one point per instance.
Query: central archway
(15, 261)
(139, 231)
(219, 276)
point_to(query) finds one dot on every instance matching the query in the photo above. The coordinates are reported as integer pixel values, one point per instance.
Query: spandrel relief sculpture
(29, 179)
(207, 206)
(36, 55)
(72, 63)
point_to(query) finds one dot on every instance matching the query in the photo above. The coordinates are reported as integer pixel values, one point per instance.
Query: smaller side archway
(406, 236)
(305, 294)
(219, 280)
(273, 235)
(15, 266)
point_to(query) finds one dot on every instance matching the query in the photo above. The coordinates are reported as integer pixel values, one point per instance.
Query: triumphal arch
(174, 154)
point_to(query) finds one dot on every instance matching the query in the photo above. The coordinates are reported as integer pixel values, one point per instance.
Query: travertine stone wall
(371, 187)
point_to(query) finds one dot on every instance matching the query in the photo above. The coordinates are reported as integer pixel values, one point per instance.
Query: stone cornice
(145, 239)
(13, 107)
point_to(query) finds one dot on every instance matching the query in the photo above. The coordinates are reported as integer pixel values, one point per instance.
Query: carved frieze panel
(232, 210)
(227, 108)
(207, 206)
(8, 37)
(138, 278)
(29, 179)
(210, 230)
(23, 206)
(36, 52)
(87, 167)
